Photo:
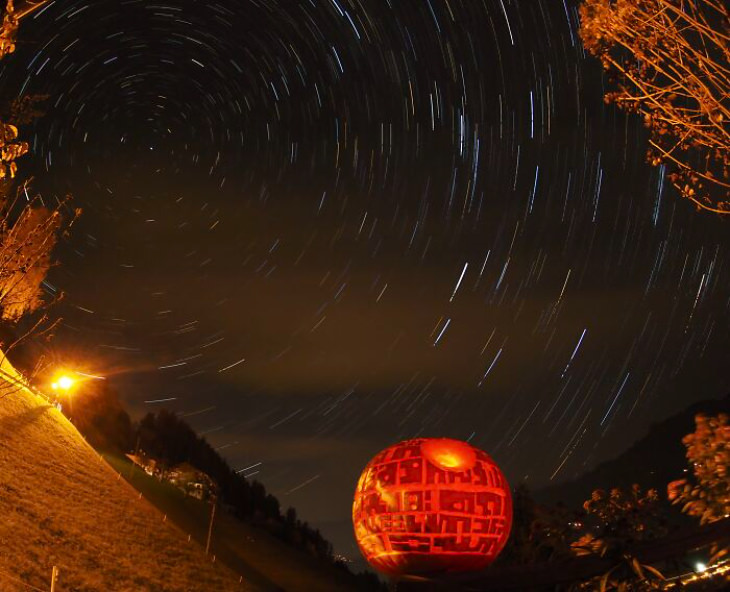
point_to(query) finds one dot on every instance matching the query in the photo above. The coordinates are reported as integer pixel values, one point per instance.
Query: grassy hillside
(61, 504)
(261, 558)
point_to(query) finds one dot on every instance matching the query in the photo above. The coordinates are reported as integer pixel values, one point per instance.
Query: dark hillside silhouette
(655, 460)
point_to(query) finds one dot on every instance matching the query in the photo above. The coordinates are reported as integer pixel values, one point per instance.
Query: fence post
(54, 578)
(210, 527)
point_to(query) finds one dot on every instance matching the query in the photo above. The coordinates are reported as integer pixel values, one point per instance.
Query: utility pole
(136, 454)
(54, 578)
(210, 526)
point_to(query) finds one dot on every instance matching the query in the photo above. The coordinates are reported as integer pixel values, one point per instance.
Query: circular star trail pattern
(315, 228)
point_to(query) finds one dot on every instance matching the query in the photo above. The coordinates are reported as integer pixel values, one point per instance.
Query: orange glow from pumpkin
(431, 506)
(451, 455)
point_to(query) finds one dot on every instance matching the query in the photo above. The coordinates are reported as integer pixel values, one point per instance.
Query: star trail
(314, 228)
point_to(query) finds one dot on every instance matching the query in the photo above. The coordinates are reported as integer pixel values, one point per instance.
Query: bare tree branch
(670, 63)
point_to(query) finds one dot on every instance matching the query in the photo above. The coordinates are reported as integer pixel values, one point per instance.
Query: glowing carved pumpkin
(430, 506)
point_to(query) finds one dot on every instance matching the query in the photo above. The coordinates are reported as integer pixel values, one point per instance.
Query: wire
(23, 385)
(21, 582)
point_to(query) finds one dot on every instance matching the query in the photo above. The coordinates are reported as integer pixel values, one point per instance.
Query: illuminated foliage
(668, 60)
(10, 150)
(25, 258)
(707, 494)
(28, 229)
(8, 30)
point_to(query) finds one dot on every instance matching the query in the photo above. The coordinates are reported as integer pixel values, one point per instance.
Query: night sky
(317, 227)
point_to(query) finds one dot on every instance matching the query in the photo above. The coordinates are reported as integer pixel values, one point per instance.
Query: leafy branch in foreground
(29, 229)
(706, 495)
(624, 518)
(670, 63)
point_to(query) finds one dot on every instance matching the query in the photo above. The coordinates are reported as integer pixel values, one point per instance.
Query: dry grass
(61, 504)
(263, 559)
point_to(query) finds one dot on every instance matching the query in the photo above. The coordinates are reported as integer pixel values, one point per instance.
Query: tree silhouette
(622, 519)
(539, 533)
(99, 415)
(669, 62)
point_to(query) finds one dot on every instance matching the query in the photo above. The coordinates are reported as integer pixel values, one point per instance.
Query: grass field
(61, 504)
(262, 559)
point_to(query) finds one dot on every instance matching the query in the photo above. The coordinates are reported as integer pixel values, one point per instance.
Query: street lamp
(63, 383)
(62, 386)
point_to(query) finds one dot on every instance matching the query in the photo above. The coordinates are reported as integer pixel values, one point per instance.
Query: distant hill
(61, 504)
(652, 462)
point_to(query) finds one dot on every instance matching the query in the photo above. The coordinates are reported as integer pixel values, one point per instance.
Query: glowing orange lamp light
(63, 383)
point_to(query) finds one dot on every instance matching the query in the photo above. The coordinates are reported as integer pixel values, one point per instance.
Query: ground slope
(61, 504)
(261, 558)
